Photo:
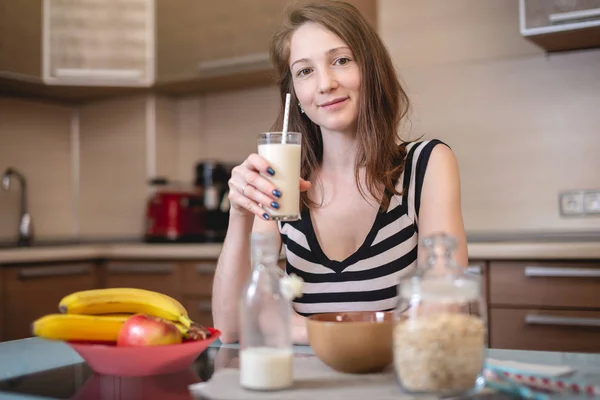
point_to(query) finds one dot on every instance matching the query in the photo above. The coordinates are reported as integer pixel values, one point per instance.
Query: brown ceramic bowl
(353, 342)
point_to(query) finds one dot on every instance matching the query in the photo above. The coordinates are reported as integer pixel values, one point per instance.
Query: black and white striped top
(367, 279)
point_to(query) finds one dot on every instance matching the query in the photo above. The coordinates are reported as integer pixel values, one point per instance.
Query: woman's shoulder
(420, 151)
(419, 144)
(432, 156)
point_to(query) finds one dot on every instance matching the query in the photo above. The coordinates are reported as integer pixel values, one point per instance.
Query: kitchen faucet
(25, 223)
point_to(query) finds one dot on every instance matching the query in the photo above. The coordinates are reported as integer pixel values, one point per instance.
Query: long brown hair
(383, 102)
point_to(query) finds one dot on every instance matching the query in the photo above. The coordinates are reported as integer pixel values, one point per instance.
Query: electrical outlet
(591, 202)
(571, 203)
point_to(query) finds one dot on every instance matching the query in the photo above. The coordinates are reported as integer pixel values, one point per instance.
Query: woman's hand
(248, 189)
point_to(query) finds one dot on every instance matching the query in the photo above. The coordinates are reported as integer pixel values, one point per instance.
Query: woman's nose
(327, 80)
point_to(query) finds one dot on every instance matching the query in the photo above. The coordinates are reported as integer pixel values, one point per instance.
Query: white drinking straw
(286, 116)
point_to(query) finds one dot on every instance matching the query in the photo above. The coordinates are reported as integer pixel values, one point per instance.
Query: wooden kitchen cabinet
(78, 42)
(197, 277)
(158, 276)
(32, 291)
(197, 281)
(199, 309)
(544, 305)
(171, 46)
(76, 49)
(479, 268)
(545, 284)
(545, 330)
(206, 45)
(2, 324)
(557, 25)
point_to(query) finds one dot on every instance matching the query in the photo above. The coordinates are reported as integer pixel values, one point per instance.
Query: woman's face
(326, 77)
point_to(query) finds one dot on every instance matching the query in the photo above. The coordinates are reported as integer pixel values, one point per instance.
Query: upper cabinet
(84, 49)
(78, 42)
(557, 25)
(210, 45)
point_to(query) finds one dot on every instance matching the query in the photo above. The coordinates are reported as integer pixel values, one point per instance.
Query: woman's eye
(303, 72)
(342, 61)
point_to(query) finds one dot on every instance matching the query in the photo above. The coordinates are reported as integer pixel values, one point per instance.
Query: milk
(266, 368)
(285, 161)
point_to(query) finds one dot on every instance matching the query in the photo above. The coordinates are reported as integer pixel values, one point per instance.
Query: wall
(87, 167)
(523, 125)
(35, 139)
(112, 167)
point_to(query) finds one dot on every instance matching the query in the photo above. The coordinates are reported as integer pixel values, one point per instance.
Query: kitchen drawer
(198, 277)
(34, 291)
(547, 330)
(199, 310)
(156, 276)
(479, 268)
(544, 284)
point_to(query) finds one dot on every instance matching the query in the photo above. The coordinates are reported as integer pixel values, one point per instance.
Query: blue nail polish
(266, 216)
(276, 193)
(270, 171)
(275, 205)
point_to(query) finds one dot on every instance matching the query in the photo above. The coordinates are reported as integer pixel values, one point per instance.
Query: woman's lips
(334, 103)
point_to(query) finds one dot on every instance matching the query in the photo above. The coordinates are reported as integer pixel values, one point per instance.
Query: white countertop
(535, 251)
(477, 251)
(111, 251)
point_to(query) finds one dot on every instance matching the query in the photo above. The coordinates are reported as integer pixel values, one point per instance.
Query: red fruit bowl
(109, 359)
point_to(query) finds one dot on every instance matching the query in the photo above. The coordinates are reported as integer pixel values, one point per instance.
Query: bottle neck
(264, 263)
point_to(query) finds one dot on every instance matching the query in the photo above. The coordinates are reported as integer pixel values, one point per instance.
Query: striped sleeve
(414, 175)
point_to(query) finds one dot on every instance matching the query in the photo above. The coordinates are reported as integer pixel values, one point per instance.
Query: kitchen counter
(59, 371)
(495, 250)
(110, 251)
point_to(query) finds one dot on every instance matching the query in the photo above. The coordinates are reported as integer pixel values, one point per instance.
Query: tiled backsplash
(35, 139)
(112, 167)
(523, 125)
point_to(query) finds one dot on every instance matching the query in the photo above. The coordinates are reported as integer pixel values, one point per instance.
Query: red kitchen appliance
(175, 213)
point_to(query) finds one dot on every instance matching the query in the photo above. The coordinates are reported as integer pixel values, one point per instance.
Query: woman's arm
(440, 209)
(299, 332)
(233, 269)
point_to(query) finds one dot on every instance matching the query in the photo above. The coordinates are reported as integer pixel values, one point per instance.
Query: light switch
(571, 203)
(591, 202)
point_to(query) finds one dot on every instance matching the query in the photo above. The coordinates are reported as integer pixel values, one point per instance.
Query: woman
(366, 195)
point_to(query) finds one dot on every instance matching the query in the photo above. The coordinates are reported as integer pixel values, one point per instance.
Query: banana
(125, 301)
(78, 327)
(121, 291)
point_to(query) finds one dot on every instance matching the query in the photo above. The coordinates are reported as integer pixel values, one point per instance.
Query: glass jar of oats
(440, 337)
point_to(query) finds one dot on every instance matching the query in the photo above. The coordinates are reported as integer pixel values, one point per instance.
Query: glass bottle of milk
(265, 319)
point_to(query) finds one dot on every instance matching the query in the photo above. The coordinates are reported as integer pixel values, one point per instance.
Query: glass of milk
(266, 353)
(283, 152)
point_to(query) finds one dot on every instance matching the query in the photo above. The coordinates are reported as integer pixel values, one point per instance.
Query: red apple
(147, 330)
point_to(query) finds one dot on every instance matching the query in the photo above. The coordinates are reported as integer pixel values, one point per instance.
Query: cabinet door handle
(574, 15)
(43, 272)
(204, 306)
(549, 272)
(534, 319)
(140, 269)
(474, 269)
(206, 268)
(248, 63)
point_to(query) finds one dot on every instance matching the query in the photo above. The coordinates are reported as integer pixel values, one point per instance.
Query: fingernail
(266, 216)
(276, 193)
(270, 171)
(275, 204)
